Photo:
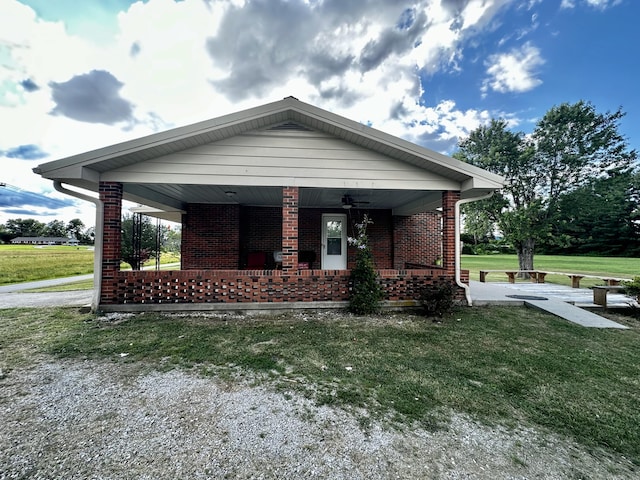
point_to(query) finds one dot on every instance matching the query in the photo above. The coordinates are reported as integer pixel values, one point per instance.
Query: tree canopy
(29, 227)
(571, 150)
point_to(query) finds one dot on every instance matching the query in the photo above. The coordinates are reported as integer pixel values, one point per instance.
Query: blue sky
(78, 75)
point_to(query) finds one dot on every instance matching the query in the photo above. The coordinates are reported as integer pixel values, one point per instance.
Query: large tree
(600, 217)
(516, 209)
(56, 228)
(570, 146)
(75, 228)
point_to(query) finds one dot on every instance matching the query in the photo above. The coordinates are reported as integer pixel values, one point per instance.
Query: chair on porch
(277, 259)
(307, 257)
(257, 261)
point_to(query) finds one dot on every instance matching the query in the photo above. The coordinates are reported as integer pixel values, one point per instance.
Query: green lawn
(506, 365)
(619, 267)
(27, 263)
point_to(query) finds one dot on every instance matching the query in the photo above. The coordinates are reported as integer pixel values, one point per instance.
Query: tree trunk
(525, 256)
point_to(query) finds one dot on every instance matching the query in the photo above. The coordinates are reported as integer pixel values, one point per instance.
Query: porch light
(347, 206)
(230, 194)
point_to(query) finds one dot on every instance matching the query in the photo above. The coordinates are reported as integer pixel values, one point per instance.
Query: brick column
(449, 200)
(290, 229)
(111, 196)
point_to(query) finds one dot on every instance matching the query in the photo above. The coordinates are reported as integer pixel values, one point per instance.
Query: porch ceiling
(172, 199)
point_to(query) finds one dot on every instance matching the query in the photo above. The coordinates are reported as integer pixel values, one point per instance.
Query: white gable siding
(277, 158)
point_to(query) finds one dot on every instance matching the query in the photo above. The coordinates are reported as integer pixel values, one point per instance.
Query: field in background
(618, 267)
(28, 263)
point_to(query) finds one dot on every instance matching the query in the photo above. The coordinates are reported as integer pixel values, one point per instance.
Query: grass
(619, 267)
(65, 287)
(27, 263)
(504, 365)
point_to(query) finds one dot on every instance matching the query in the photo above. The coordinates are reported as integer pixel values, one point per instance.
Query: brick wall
(211, 237)
(379, 233)
(260, 231)
(449, 200)
(222, 236)
(290, 229)
(417, 239)
(310, 232)
(110, 193)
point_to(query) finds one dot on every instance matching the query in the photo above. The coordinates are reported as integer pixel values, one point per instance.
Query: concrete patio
(572, 304)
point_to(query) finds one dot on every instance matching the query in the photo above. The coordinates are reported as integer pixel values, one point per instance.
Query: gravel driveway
(102, 420)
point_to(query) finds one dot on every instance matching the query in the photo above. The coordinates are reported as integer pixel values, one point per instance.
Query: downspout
(459, 282)
(98, 240)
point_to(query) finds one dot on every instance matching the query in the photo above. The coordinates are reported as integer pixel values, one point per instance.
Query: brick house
(267, 198)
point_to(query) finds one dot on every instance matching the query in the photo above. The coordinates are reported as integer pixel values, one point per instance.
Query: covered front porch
(263, 257)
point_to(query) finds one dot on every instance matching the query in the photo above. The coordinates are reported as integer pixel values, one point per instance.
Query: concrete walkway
(17, 287)
(562, 301)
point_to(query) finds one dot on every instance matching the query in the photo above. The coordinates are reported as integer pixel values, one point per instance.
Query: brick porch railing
(261, 286)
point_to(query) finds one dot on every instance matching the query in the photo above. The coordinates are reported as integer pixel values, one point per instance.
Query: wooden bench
(600, 293)
(538, 276)
(576, 277)
(511, 275)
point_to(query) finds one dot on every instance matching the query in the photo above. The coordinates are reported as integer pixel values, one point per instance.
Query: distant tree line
(19, 227)
(572, 186)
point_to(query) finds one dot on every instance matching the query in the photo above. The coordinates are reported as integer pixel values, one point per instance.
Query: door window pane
(334, 229)
(334, 237)
(334, 246)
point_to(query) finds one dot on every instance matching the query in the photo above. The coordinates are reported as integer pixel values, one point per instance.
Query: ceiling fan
(348, 202)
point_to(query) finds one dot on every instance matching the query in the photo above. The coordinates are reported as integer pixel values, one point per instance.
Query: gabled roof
(121, 160)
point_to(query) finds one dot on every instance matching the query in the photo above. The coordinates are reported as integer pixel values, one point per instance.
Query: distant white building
(44, 241)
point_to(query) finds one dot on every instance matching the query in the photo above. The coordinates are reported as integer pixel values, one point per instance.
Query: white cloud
(178, 62)
(598, 4)
(514, 71)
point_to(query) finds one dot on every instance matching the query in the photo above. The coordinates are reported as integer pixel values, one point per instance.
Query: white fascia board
(69, 173)
(476, 183)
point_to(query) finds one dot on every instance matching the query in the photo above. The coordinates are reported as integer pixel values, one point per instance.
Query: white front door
(334, 241)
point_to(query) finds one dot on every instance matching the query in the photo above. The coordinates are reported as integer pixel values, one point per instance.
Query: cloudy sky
(78, 75)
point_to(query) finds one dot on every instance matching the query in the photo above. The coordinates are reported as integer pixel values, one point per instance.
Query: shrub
(632, 287)
(366, 291)
(438, 299)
